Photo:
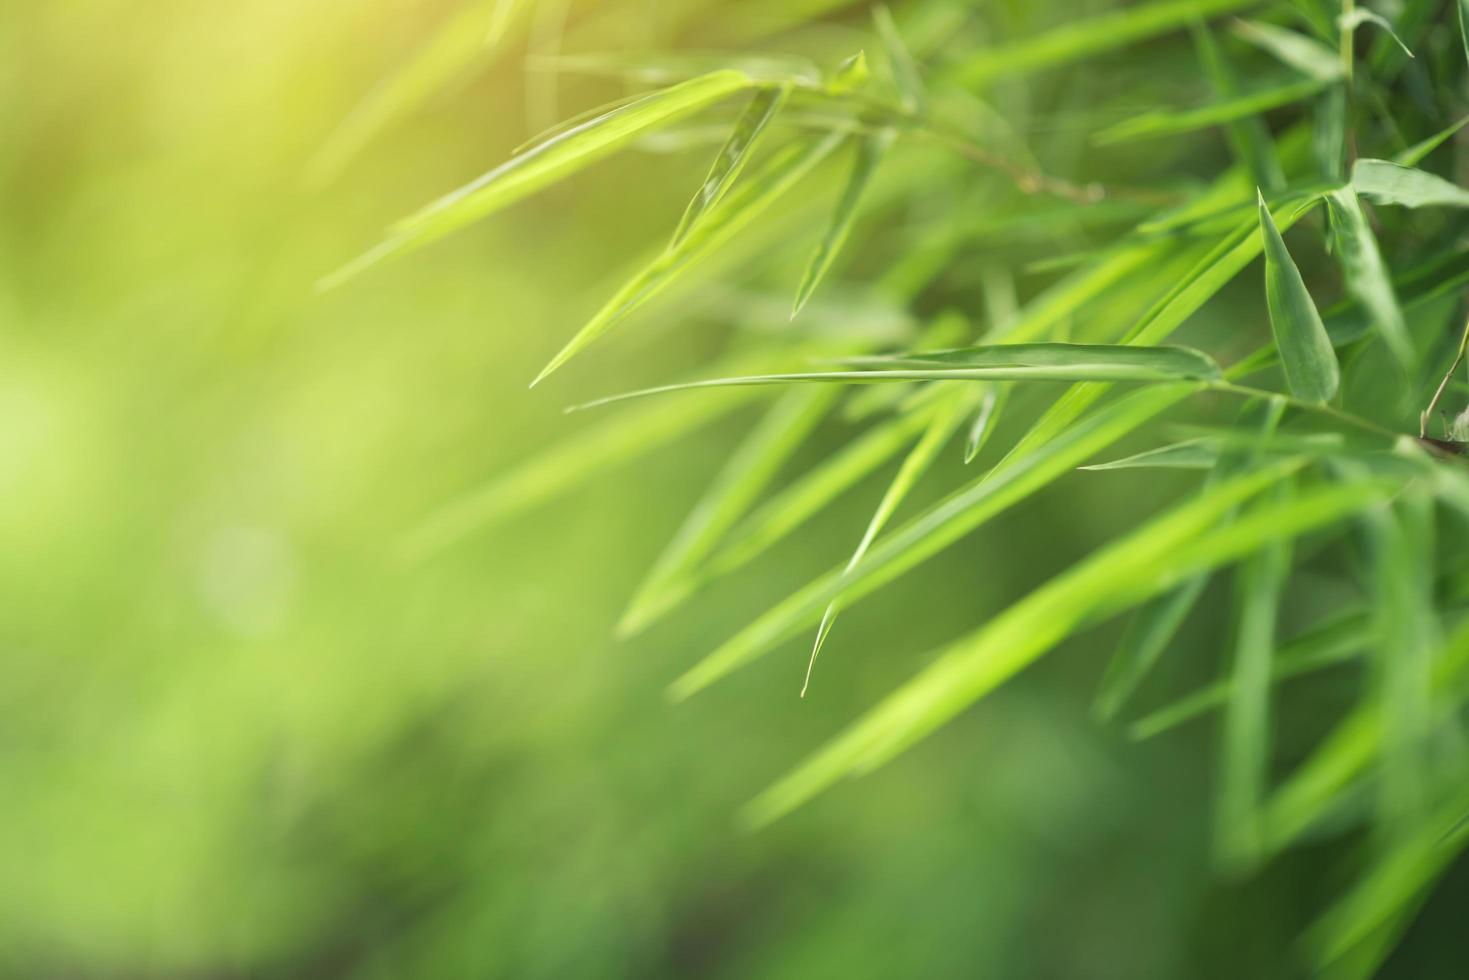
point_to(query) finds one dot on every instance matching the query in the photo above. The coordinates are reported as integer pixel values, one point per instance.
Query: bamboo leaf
(745, 475)
(940, 430)
(1365, 273)
(1414, 154)
(1180, 543)
(739, 207)
(1462, 7)
(1361, 15)
(1148, 633)
(1388, 183)
(991, 406)
(1080, 39)
(1136, 363)
(1305, 350)
(751, 125)
(1192, 454)
(547, 163)
(852, 74)
(933, 530)
(869, 153)
(1304, 54)
(1006, 362)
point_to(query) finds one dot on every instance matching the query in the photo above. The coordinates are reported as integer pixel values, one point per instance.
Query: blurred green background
(240, 738)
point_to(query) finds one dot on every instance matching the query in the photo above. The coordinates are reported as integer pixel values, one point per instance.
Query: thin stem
(1244, 391)
(1443, 385)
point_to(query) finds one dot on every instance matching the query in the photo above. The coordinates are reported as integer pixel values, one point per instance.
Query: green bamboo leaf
(1305, 350)
(1133, 363)
(744, 477)
(739, 207)
(470, 38)
(751, 125)
(1192, 454)
(811, 493)
(1329, 134)
(869, 153)
(991, 406)
(1007, 362)
(1148, 633)
(1414, 154)
(1399, 879)
(1306, 55)
(1246, 735)
(1169, 123)
(904, 70)
(1352, 746)
(1355, 18)
(547, 163)
(671, 67)
(1384, 182)
(852, 74)
(1462, 6)
(1080, 39)
(1185, 541)
(1365, 273)
(940, 430)
(1338, 642)
(933, 530)
(1248, 137)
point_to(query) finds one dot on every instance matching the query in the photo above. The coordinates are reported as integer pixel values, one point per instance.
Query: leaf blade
(1306, 353)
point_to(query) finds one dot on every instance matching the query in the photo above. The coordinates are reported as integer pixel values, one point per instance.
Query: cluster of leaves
(1329, 453)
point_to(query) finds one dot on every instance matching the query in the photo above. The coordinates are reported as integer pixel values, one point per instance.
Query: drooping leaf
(737, 209)
(1365, 273)
(751, 125)
(1361, 15)
(744, 476)
(1080, 39)
(1181, 542)
(547, 163)
(1304, 54)
(930, 532)
(773, 520)
(1384, 182)
(940, 430)
(1305, 350)
(869, 153)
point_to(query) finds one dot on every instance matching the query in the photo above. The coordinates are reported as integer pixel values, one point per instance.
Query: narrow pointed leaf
(547, 163)
(1365, 273)
(930, 532)
(869, 153)
(1305, 350)
(1361, 15)
(851, 75)
(1243, 106)
(905, 72)
(1133, 363)
(744, 477)
(739, 208)
(1414, 154)
(1384, 182)
(1192, 454)
(990, 408)
(1147, 635)
(751, 125)
(1180, 543)
(1303, 53)
(940, 430)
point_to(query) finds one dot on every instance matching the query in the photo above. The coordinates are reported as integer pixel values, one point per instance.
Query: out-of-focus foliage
(309, 606)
